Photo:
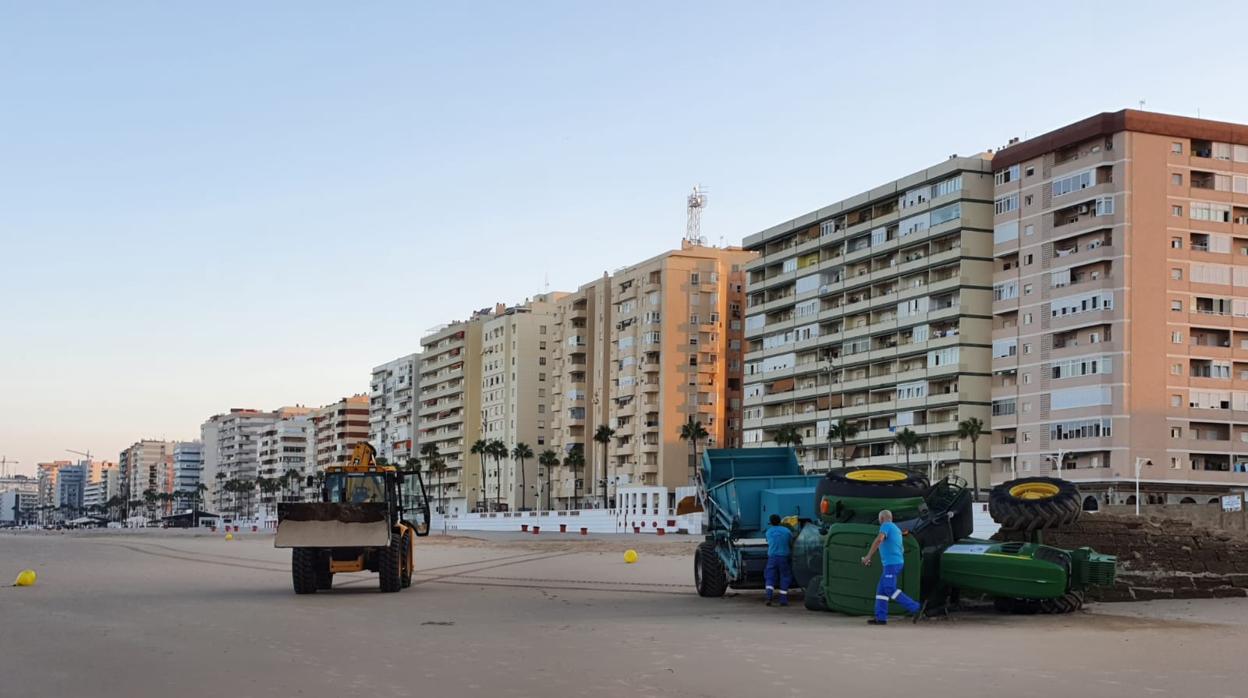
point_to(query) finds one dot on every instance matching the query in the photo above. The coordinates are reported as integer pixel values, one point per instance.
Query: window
(1176, 211)
(1206, 211)
(1176, 400)
(1026, 436)
(1028, 229)
(1082, 366)
(1080, 429)
(1071, 398)
(1009, 174)
(1005, 232)
(1176, 337)
(1027, 200)
(541, 377)
(1006, 204)
(1176, 148)
(1031, 171)
(1026, 318)
(541, 361)
(1026, 289)
(1176, 273)
(695, 279)
(945, 214)
(1026, 381)
(1104, 205)
(954, 184)
(1176, 243)
(1002, 348)
(1027, 348)
(1027, 259)
(1240, 185)
(1176, 432)
(1176, 179)
(1176, 306)
(806, 283)
(1074, 182)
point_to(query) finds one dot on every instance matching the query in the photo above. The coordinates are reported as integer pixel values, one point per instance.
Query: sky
(237, 204)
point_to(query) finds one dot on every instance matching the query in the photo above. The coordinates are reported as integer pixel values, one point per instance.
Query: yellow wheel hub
(1034, 491)
(874, 475)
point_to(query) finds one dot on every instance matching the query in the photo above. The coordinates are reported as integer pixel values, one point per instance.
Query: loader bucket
(688, 505)
(331, 525)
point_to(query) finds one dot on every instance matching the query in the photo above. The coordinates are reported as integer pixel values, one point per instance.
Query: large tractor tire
(814, 598)
(389, 565)
(303, 569)
(875, 482)
(324, 577)
(709, 575)
(1069, 603)
(405, 576)
(1034, 504)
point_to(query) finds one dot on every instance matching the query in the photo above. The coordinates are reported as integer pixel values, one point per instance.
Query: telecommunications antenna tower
(693, 228)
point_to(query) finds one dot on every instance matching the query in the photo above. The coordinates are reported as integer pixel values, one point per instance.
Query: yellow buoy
(630, 556)
(25, 578)
(229, 536)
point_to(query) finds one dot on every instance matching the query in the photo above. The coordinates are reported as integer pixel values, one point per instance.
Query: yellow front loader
(360, 523)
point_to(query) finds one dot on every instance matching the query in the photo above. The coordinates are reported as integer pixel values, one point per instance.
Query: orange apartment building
(1120, 311)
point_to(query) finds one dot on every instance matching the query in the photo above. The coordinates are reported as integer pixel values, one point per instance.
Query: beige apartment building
(517, 346)
(338, 428)
(876, 310)
(145, 465)
(1120, 319)
(640, 351)
(231, 446)
(449, 411)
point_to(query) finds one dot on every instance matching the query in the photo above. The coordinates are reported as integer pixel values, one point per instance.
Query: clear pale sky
(215, 205)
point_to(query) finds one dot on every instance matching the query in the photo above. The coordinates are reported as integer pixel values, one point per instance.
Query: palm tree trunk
(974, 472)
(524, 494)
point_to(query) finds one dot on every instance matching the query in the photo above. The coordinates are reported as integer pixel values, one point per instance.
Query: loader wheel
(815, 600)
(1034, 504)
(405, 574)
(324, 578)
(708, 572)
(389, 565)
(872, 481)
(303, 570)
(1069, 603)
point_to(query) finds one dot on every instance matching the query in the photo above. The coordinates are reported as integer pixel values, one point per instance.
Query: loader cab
(357, 487)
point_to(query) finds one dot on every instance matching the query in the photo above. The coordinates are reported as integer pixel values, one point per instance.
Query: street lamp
(1139, 462)
(1057, 461)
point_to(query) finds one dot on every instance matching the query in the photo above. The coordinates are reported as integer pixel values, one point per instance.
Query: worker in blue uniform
(778, 574)
(891, 555)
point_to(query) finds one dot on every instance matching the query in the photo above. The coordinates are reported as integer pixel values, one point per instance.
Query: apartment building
(231, 445)
(71, 481)
(141, 466)
(103, 488)
(449, 413)
(286, 444)
(19, 505)
(1120, 319)
(641, 351)
(46, 475)
(338, 428)
(392, 408)
(188, 464)
(876, 310)
(517, 345)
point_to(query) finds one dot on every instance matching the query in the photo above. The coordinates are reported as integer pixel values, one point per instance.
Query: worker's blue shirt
(779, 541)
(891, 548)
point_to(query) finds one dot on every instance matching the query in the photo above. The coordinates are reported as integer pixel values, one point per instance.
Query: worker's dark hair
(774, 520)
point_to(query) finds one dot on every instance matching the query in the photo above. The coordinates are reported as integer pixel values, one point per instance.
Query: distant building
(288, 445)
(19, 506)
(339, 427)
(141, 467)
(47, 476)
(392, 408)
(188, 465)
(231, 446)
(99, 492)
(449, 414)
(71, 480)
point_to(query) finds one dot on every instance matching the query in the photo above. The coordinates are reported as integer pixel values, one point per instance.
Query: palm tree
(498, 451)
(292, 478)
(908, 440)
(788, 435)
(603, 436)
(548, 460)
(842, 430)
(198, 495)
(149, 500)
(431, 454)
(438, 467)
(480, 448)
(971, 429)
(575, 461)
(522, 452)
(693, 432)
(220, 490)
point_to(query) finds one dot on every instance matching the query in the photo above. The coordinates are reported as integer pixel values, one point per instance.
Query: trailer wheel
(389, 565)
(303, 570)
(405, 575)
(1034, 504)
(324, 577)
(1069, 603)
(708, 572)
(814, 598)
(872, 481)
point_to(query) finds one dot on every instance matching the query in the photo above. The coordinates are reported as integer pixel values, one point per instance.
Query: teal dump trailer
(740, 489)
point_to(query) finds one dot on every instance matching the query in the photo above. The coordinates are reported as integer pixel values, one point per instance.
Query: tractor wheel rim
(875, 475)
(1034, 491)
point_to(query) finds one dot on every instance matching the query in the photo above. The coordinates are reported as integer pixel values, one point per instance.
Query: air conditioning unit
(1083, 209)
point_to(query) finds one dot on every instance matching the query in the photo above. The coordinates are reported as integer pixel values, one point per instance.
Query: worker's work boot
(767, 599)
(784, 600)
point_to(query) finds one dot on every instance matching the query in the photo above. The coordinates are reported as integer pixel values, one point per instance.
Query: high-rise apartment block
(876, 310)
(449, 414)
(1120, 319)
(517, 346)
(338, 428)
(392, 408)
(231, 445)
(142, 465)
(641, 351)
(188, 465)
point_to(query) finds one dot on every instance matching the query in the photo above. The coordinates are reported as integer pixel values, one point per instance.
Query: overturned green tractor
(942, 562)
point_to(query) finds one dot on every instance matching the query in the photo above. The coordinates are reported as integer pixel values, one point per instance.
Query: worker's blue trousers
(778, 575)
(888, 591)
